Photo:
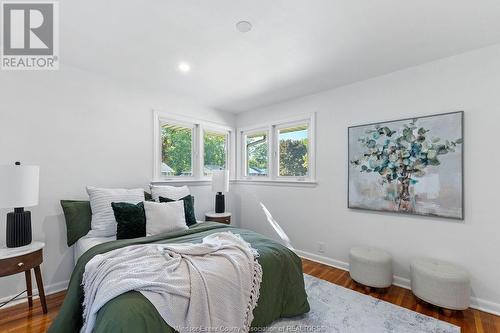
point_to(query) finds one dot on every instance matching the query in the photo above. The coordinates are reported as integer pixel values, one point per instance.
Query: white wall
(85, 129)
(469, 82)
(81, 129)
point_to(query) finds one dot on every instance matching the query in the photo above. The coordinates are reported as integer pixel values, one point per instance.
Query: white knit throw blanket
(213, 285)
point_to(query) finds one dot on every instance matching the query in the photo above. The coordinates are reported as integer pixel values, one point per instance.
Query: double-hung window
(187, 149)
(279, 151)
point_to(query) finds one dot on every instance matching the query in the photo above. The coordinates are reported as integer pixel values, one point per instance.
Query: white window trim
(198, 157)
(272, 128)
(243, 154)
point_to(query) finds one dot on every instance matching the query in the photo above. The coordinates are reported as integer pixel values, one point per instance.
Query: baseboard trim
(484, 305)
(49, 290)
(476, 303)
(322, 259)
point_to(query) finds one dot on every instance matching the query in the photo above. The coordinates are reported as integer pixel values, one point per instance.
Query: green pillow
(131, 220)
(188, 208)
(78, 216)
(148, 196)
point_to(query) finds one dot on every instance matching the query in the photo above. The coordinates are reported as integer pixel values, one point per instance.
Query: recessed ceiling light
(184, 67)
(244, 26)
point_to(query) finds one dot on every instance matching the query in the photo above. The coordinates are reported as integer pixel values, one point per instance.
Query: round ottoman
(440, 283)
(370, 267)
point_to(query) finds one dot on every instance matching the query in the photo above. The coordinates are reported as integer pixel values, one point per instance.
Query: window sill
(190, 182)
(208, 182)
(267, 182)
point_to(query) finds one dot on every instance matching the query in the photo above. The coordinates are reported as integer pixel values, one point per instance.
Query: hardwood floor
(471, 321)
(20, 318)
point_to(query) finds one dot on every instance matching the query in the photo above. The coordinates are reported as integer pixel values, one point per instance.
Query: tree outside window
(293, 151)
(215, 147)
(257, 149)
(177, 148)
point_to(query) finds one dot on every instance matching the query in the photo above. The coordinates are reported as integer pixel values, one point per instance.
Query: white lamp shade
(19, 185)
(220, 181)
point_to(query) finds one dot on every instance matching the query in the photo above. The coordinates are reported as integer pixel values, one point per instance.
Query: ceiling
(296, 47)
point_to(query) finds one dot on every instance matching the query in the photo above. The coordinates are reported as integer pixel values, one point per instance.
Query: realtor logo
(30, 35)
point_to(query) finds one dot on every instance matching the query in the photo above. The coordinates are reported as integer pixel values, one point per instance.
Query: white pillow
(103, 222)
(164, 217)
(171, 192)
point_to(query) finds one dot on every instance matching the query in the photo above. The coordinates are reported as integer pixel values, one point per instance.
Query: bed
(282, 292)
(86, 243)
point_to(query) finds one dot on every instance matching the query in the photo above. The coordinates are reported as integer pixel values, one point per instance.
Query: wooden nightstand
(218, 217)
(23, 259)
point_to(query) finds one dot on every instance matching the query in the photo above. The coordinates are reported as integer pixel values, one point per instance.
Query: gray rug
(338, 309)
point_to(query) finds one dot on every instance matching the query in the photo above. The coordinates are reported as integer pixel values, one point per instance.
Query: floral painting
(412, 166)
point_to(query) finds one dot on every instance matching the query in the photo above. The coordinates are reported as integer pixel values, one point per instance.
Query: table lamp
(19, 189)
(220, 184)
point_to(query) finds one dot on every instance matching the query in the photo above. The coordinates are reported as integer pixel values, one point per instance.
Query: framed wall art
(412, 166)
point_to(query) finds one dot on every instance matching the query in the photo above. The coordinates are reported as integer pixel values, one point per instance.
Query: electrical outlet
(321, 247)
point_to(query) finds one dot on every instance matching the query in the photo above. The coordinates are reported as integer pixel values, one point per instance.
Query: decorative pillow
(147, 196)
(130, 219)
(103, 219)
(164, 217)
(78, 216)
(188, 208)
(172, 192)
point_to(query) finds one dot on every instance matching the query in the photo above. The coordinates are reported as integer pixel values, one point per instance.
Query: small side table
(218, 217)
(23, 259)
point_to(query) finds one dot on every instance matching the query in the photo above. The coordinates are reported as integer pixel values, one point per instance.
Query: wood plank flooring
(20, 318)
(470, 321)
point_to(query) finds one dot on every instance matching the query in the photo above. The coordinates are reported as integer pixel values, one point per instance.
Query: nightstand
(218, 217)
(23, 259)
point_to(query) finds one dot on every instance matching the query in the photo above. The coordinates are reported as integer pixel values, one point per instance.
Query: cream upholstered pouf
(370, 267)
(440, 283)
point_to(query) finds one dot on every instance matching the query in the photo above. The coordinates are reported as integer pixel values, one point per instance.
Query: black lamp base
(18, 228)
(220, 206)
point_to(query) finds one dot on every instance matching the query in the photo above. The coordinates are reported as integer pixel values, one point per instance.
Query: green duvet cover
(282, 291)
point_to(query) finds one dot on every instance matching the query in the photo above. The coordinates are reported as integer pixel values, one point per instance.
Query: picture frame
(408, 166)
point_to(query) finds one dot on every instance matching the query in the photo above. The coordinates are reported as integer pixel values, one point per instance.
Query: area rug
(338, 309)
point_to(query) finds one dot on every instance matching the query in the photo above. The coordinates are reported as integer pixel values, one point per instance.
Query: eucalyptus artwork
(409, 166)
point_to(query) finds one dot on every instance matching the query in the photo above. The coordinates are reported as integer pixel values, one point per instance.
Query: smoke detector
(244, 26)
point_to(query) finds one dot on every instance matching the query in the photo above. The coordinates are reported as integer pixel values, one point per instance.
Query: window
(279, 151)
(176, 150)
(293, 151)
(214, 151)
(190, 150)
(257, 154)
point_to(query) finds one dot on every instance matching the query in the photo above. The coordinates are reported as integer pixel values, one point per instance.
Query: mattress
(86, 242)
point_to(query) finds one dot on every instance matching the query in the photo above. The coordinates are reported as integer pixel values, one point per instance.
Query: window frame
(273, 128)
(244, 153)
(277, 150)
(197, 154)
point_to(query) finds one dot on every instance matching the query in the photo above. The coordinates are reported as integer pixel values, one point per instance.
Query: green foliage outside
(257, 155)
(293, 157)
(176, 150)
(401, 156)
(214, 151)
(177, 147)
